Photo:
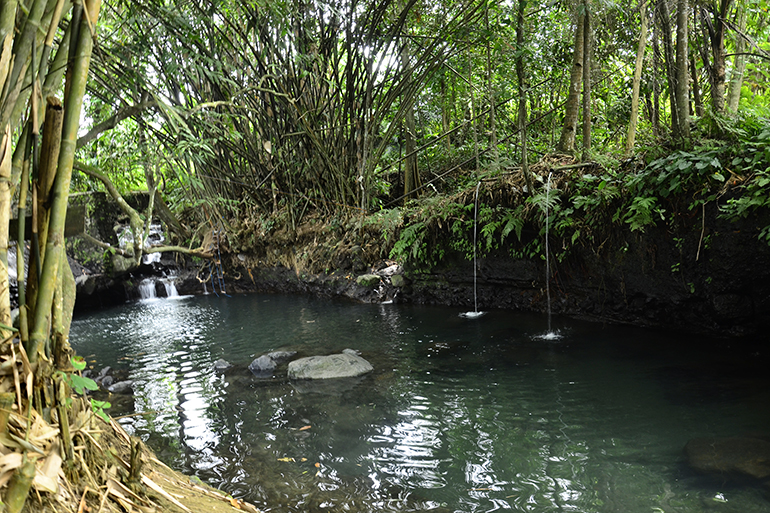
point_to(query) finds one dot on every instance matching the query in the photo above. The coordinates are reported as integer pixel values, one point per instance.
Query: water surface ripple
(460, 415)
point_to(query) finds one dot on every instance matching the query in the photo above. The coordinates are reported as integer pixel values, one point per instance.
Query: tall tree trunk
(656, 64)
(682, 78)
(696, 89)
(739, 64)
(446, 118)
(474, 120)
(520, 75)
(630, 140)
(587, 56)
(566, 142)
(714, 26)
(411, 174)
(491, 95)
(664, 16)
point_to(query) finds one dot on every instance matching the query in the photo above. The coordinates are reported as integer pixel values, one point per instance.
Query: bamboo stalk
(18, 488)
(77, 76)
(22, 49)
(20, 274)
(41, 187)
(5, 210)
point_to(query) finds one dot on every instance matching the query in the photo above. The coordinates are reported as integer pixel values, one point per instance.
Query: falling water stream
(457, 416)
(475, 313)
(550, 333)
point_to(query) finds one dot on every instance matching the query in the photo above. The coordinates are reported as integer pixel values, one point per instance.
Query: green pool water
(460, 415)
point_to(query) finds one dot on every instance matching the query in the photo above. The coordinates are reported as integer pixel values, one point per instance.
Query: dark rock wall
(717, 283)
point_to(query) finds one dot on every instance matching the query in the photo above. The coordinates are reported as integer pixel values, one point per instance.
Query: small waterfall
(475, 313)
(205, 289)
(170, 287)
(147, 289)
(154, 238)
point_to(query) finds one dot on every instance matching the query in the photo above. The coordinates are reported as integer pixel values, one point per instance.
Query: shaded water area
(459, 415)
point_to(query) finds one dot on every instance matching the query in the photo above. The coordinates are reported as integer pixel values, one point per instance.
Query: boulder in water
(735, 456)
(281, 356)
(343, 365)
(264, 365)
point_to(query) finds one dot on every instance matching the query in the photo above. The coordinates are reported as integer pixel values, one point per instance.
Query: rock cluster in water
(347, 364)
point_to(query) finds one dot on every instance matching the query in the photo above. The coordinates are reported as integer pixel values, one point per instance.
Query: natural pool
(459, 415)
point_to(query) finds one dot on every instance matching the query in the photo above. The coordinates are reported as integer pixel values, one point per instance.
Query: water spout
(550, 334)
(475, 313)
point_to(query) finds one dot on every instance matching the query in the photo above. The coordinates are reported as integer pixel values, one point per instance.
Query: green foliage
(411, 244)
(642, 212)
(697, 170)
(80, 385)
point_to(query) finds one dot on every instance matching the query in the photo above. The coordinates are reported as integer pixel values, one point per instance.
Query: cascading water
(147, 289)
(170, 287)
(475, 313)
(154, 238)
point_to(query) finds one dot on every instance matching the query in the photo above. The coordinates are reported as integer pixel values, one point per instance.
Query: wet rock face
(738, 457)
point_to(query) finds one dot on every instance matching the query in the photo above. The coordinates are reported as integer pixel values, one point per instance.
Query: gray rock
(121, 264)
(368, 280)
(281, 356)
(264, 365)
(222, 365)
(122, 387)
(104, 372)
(106, 381)
(737, 457)
(328, 367)
(351, 352)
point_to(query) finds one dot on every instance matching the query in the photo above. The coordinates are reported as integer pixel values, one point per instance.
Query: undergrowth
(584, 207)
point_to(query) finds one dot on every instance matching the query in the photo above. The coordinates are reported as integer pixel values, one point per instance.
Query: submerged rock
(344, 365)
(122, 387)
(730, 457)
(222, 365)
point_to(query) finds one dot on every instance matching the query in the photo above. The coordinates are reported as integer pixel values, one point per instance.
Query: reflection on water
(457, 416)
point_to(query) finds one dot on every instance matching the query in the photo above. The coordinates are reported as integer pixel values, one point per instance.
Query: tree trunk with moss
(572, 110)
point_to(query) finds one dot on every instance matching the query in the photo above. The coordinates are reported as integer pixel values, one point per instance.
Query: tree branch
(112, 121)
(198, 252)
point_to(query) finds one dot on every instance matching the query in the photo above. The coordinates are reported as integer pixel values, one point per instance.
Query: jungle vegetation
(244, 116)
